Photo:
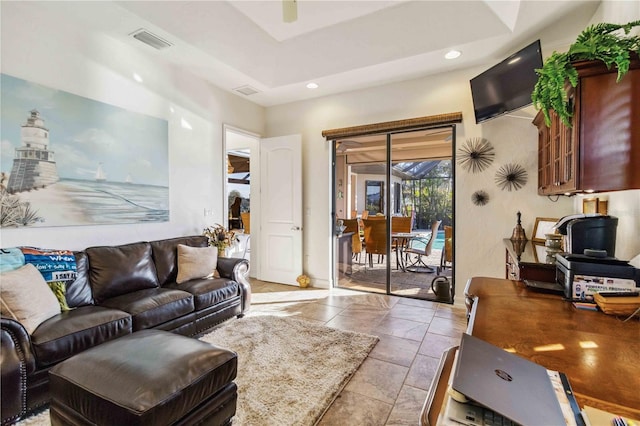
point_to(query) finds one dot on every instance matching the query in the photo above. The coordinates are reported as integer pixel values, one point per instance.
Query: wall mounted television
(506, 86)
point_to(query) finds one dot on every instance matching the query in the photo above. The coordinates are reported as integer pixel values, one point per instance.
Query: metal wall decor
(476, 155)
(511, 177)
(480, 198)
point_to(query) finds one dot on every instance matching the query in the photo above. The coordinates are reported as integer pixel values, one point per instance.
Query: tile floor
(391, 385)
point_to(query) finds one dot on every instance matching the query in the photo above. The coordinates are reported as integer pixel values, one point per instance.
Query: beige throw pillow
(196, 262)
(26, 297)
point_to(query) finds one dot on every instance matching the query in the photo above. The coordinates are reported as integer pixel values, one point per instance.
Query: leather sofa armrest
(13, 330)
(237, 269)
(16, 361)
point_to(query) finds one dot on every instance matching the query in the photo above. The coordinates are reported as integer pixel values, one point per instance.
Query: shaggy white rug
(289, 370)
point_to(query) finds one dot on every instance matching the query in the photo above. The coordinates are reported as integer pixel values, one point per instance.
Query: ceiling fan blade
(289, 10)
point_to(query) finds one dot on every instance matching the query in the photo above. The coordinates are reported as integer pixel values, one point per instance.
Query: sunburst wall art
(480, 198)
(476, 155)
(511, 177)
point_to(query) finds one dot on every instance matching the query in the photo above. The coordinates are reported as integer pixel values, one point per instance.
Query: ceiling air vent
(150, 39)
(246, 90)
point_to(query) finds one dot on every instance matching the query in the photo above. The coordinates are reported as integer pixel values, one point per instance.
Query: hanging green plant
(609, 43)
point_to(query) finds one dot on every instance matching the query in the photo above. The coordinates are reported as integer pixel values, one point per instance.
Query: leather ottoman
(150, 377)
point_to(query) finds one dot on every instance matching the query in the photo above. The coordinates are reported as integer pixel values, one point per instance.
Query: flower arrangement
(303, 280)
(219, 237)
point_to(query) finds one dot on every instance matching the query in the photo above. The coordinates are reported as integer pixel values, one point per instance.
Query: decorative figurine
(518, 232)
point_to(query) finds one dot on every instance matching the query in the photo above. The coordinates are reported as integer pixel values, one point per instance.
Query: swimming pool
(438, 244)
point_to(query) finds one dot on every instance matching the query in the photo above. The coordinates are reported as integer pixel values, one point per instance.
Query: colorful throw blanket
(10, 259)
(54, 265)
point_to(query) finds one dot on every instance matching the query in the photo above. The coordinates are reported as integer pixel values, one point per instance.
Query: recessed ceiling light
(312, 86)
(452, 54)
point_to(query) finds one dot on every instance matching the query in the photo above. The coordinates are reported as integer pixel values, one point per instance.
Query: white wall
(479, 230)
(42, 44)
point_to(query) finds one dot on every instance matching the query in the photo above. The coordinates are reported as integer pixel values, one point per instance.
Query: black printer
(589, 265)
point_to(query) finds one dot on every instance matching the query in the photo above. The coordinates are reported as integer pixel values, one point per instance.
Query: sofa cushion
(210, 291)
(152, 307)
(26, 297)
(165, 255)
(79, 290)
(118, 270)
(72, 332)
(196, 262)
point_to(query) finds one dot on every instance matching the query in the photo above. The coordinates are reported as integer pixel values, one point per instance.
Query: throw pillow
(58, 268)
(196, 262)
(26, 297)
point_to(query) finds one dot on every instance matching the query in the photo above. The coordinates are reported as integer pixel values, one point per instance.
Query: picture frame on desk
(539, 252)
(594, 205)
(543, 225)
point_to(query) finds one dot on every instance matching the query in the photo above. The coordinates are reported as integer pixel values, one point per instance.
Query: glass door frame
(388, 205)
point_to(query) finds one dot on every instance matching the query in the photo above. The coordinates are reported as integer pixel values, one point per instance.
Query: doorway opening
(394, 212)
(241, 189)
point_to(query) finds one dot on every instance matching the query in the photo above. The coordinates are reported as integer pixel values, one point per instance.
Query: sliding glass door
(393, 202)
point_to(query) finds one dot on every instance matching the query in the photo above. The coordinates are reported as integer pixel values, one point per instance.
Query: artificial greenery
(609, 43)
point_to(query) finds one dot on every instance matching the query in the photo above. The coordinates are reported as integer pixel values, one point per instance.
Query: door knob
(295, 228)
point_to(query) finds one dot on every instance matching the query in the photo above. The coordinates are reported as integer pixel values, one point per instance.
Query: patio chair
(400, 224)
(353, 225)
(375, 239)
(418, 249)
(447, 250)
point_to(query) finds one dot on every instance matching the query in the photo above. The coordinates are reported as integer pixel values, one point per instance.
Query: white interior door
(281, 209)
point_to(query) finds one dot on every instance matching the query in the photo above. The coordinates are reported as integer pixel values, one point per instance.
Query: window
(396, 197)
(375, 196)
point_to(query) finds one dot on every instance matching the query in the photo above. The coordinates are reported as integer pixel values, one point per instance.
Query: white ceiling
(340, 45)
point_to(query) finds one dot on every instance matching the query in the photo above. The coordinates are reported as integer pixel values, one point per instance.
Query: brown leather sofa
(118, 291)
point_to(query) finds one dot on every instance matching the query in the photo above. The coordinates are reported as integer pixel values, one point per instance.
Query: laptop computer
(510, 385)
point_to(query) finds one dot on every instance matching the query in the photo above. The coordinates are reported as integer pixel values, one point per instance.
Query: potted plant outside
(610, 43)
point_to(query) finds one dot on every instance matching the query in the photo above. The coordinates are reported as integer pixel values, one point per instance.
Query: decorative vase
(222, 251)
(518, 232)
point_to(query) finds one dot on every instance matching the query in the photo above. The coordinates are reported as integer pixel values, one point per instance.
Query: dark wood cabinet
(601, 150)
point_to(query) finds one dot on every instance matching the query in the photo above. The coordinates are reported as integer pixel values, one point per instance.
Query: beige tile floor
(391, 385)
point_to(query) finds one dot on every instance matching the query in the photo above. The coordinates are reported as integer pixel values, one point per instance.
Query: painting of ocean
(116, 202)
(69, 160)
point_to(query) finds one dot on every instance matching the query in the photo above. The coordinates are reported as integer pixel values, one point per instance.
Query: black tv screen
(506, 86)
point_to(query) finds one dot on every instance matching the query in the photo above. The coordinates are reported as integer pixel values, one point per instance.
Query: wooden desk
(599, 353)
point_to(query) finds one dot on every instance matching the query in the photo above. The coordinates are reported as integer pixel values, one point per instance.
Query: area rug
(289, 370)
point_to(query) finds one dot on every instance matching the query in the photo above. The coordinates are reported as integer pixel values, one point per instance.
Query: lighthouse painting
(33, 163)
(68, 160)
